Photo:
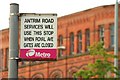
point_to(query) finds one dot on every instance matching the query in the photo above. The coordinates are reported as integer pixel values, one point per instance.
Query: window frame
(111, 35)
(87, 39)
(7, 58)
(71, 43)
(79, 42)
(1, 61)
(60, 43)
(101, 33)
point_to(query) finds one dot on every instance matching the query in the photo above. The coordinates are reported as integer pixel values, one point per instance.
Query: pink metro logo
(30, 53)
(38, 54)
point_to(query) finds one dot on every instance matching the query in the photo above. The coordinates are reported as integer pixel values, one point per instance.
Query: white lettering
(43, 55)
(47, 20)
(32, 20)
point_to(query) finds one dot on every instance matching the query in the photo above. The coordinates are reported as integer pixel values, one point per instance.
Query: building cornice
(85, 16)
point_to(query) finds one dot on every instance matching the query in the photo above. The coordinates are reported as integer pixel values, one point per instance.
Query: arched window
(101, 33)
(37, 76)
(60, 43)
(1, 60)
(111, 35)
(7, 57)
(79, 42)
(71, 71)
(56, 74)
(71, 43)
(87, 39)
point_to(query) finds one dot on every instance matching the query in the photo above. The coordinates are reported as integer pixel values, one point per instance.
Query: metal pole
(116, 36)
(13, 42)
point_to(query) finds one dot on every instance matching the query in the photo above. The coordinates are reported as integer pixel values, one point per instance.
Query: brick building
(75, 31)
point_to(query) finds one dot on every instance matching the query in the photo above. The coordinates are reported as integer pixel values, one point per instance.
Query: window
(71, 43)
(60, 52)
(7, 57)
(111, 35)
(79, 42)
(57, 76)
(1, 59)
(87, 41)
(38, 76)
(101, 33)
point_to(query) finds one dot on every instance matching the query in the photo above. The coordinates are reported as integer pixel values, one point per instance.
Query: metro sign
(38, 37)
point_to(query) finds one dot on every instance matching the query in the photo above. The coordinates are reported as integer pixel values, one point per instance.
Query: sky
(61, 7)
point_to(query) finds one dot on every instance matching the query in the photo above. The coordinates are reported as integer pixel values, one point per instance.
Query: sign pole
(116, 36)
(13, 42)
